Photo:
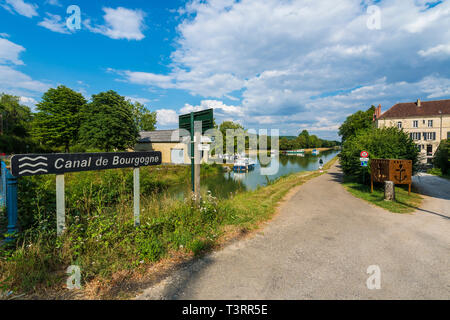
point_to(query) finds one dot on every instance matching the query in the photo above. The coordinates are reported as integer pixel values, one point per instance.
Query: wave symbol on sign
(31, 167)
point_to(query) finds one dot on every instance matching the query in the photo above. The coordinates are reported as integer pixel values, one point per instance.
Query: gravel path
(320, 246)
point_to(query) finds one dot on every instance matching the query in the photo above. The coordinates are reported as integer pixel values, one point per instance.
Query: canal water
(222, 186)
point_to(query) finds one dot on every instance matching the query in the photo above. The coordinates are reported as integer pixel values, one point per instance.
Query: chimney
(418, 103)
(377, 113)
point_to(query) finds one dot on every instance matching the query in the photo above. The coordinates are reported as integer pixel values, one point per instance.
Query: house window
(399, 124)
(430, 123)
(448, 135)
(415, 123)
(415, 135)
(429, 136)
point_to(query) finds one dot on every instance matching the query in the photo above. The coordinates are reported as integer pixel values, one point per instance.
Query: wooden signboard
(395, 170)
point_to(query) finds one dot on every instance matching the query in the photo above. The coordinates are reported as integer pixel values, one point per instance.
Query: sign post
(187, 122)
(60, 163)
(136, 196)
(60, 205)
(364, 162)
(197, 160)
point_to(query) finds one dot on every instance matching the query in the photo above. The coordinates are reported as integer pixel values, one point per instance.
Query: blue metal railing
(9, 198)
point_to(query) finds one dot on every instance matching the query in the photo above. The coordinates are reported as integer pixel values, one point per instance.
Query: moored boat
(243, 164)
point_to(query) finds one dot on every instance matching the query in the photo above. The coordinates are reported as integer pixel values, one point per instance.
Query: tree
(441, 157)
(58, 119)
(360, 120)
(230, 125)
(108, 123)
(14, 117)
(145, 120)
(15, 126)
(385, 143)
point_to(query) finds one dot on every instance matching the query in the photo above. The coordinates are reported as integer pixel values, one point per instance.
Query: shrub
(441, 158)
(385, 143)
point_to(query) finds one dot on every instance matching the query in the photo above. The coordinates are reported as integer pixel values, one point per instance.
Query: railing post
(11, 203)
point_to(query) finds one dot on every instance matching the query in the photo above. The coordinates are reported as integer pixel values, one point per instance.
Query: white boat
(243, 164)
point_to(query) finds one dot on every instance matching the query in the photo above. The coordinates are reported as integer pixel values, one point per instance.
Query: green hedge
(386, 143)
(441, 158)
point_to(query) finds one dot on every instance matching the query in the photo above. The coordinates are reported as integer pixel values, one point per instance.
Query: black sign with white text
(59, 163)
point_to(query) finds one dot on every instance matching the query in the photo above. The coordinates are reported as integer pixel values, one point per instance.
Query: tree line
(65, 121)
(304, 140)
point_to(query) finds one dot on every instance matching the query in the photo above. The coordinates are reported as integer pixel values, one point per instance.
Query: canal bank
(222, 186)
(113, 253)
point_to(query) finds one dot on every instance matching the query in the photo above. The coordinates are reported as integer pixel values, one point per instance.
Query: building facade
(173, 148)
(427, 122)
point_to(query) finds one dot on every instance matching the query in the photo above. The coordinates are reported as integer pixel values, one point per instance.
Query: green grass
(403, 203)
(101, 237)
(438, 172)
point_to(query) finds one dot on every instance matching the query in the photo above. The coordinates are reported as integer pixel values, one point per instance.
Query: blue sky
(289, 65)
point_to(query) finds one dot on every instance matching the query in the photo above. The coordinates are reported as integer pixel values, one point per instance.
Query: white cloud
(120, 23)
(54, 23)
(21, 7)
(13, 79)
(9, 52)
(4, 35)
(166, 117)
(218, 106)
(439, 50)
(290, 61)
(137, 99)
(54, 3)
(28, 101)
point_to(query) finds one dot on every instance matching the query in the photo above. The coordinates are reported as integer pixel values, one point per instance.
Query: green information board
(205, 116)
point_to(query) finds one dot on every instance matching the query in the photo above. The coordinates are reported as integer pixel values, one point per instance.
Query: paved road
(319, 247)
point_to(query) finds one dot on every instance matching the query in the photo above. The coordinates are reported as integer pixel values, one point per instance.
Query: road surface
(320, 246)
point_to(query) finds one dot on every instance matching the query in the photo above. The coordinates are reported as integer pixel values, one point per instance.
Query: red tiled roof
(410, 109)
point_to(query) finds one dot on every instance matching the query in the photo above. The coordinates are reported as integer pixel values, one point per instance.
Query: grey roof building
(160, 136)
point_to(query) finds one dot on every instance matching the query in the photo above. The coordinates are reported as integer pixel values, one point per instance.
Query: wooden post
(409, 189)
(136, 196)
(60, 205)
(371, 184)
(197, 159)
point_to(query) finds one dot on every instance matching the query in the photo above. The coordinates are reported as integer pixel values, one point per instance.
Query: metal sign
(395, 170)
(364, 163)
(205, 116)
(60, 163)
(204, 147)
(364, 154)
(364, 159)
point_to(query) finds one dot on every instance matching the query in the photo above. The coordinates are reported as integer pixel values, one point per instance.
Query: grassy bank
(102, 240)
(403, 203)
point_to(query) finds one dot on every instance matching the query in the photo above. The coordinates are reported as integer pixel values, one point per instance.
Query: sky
(272, 64)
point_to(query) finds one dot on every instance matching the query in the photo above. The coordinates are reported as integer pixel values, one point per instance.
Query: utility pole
(440, 134)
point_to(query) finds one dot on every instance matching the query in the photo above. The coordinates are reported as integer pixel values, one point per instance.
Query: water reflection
(222, 185)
